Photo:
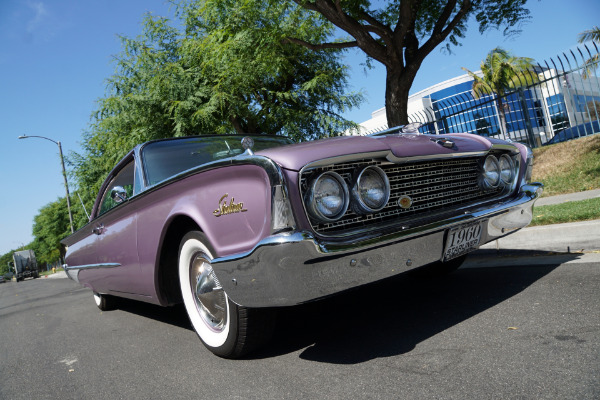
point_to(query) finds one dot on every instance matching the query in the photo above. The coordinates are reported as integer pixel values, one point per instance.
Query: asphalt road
(519, 331)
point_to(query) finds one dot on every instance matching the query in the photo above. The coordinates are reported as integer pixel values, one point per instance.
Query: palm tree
(502, 72)
(591, 63)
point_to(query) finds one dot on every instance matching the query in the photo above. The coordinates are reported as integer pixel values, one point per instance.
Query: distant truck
(25, 265)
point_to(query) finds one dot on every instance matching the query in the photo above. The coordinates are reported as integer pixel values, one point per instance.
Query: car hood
(296, 156)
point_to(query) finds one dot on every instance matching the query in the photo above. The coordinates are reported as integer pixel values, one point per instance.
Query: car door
(115, 229)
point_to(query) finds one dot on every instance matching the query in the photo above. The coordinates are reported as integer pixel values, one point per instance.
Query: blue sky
(55, 56)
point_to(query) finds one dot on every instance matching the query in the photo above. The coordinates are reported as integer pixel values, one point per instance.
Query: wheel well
(168, 273)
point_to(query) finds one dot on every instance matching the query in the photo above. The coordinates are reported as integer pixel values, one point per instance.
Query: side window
(121, 186)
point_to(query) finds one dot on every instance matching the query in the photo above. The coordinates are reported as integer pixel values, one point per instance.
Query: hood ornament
(248, 144)
(447, 143)
(413, 127)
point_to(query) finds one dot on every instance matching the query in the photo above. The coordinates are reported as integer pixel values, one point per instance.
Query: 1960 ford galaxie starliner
(236, 230)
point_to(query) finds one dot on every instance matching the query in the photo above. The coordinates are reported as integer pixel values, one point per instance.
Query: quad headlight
(498, 172)
(490, 177)
(507, 170)
(371, 190)
(328, 197)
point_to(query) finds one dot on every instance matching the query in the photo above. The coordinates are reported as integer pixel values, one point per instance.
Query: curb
(571, 237)
(484, 259)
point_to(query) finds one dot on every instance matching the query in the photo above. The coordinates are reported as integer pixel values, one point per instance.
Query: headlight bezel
(509, 168)
(359, 204)
(499, 171)
(489, 167)
(312, 201)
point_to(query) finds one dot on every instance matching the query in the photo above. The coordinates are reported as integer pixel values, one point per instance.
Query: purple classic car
(235, 230)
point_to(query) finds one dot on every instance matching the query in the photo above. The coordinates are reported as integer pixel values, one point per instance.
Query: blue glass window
(557, 112)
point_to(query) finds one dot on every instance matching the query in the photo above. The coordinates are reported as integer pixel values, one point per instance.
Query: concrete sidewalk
(563, 198)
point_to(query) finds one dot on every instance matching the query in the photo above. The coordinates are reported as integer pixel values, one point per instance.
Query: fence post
(530, 136)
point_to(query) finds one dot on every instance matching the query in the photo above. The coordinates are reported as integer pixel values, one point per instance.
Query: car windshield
(166, 158)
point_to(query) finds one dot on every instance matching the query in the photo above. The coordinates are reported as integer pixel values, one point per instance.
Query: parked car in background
(2, 280)
(236, 232)
(575, 132)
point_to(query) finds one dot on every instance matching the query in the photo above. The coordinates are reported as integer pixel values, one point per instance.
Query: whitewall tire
(226, 329)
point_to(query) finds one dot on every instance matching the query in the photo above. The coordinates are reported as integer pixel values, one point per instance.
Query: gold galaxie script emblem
(230, 208)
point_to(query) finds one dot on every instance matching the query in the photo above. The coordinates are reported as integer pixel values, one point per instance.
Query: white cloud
(40, 12)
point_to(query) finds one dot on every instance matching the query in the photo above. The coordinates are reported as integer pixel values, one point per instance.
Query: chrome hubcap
(209, 296)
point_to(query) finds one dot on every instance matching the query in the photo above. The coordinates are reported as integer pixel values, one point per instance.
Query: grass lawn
(571, 211)
(568, 167)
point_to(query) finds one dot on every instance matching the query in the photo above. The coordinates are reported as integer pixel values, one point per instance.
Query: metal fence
(558, 100)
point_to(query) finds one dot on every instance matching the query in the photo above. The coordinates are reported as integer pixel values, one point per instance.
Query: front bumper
(292, 268)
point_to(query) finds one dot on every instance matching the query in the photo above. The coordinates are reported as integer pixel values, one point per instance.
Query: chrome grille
(432, 186)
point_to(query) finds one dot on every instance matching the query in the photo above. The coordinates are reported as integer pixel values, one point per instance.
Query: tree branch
(439, 35)
(321, 46)
(335, 14)
(375, 26)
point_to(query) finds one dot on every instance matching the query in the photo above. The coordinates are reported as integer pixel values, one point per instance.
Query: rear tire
(226, 329)
(105, 302)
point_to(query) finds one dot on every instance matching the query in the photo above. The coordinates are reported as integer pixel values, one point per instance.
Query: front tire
(226, 329)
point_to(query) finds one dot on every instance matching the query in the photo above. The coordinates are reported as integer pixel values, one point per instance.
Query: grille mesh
(432, 186)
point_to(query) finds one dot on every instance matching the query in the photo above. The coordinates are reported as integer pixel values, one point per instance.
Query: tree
(258, 82)
(501, 72)
(50, 226)
(226, 70)
(4, 260)
(401, 33)
(591, 63)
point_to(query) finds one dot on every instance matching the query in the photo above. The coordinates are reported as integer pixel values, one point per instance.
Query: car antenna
(82, 205)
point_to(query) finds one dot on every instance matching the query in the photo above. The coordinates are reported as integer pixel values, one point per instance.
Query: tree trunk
(397, 86)
(502, 116)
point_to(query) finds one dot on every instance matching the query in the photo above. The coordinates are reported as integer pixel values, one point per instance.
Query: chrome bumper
(293, 268)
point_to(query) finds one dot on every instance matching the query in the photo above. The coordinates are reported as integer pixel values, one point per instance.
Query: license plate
(462, 239)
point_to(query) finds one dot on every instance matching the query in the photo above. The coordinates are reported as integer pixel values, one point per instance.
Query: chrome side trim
(92, 266)
(73, 271)
(297, 267)
(400, 160)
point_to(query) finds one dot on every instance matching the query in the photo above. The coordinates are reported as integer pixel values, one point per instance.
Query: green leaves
(258, 81)
(227, 69)
(49, 227)
(502, 72)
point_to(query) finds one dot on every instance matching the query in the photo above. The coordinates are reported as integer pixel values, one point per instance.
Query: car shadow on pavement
(173, 315)
(379, 320)
(392, 317)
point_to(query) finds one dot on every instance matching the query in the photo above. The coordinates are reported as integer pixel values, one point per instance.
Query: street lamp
(62, 162)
